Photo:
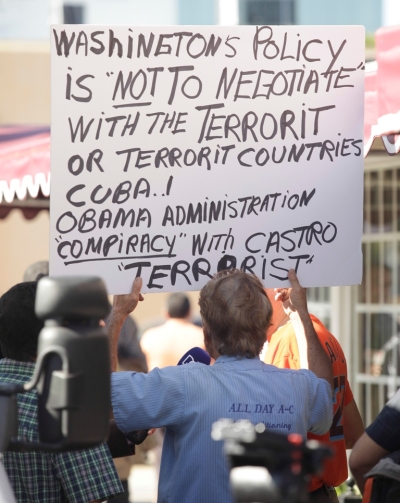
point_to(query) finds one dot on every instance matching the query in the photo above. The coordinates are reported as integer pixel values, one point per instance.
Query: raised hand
(125, 304)
(122, 306)
(293, 299)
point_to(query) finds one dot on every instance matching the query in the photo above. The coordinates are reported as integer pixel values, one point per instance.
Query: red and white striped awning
(382, 92)
(24, 168)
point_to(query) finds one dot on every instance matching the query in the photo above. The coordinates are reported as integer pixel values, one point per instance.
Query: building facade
(30, 19)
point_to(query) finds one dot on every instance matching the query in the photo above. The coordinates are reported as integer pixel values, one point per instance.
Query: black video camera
(267, 466)
(72, 372)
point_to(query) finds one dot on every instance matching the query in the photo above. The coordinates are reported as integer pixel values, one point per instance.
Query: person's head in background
(178, 306)
(36, 271)
(19, 326)
(33, 273)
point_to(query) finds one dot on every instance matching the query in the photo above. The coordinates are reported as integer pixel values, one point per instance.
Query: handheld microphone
(193, 355)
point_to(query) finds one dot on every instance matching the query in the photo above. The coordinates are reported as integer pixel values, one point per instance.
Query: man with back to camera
(287, 348)
(165, 344)
(41, 477)
(188, 399)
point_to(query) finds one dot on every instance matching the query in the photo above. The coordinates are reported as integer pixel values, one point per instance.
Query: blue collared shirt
(188, 399)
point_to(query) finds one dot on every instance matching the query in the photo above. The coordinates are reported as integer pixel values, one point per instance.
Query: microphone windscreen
(195, 355)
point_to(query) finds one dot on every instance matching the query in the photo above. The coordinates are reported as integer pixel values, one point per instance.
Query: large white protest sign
(180, 151)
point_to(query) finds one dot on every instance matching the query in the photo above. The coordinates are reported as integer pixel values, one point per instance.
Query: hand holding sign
(293, 299)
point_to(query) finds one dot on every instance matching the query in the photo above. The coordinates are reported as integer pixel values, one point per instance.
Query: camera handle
(62, 391)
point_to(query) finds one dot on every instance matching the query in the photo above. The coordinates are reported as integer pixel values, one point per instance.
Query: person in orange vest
(287, 348)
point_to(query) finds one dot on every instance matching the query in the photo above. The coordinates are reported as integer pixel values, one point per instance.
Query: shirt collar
(233, 359)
